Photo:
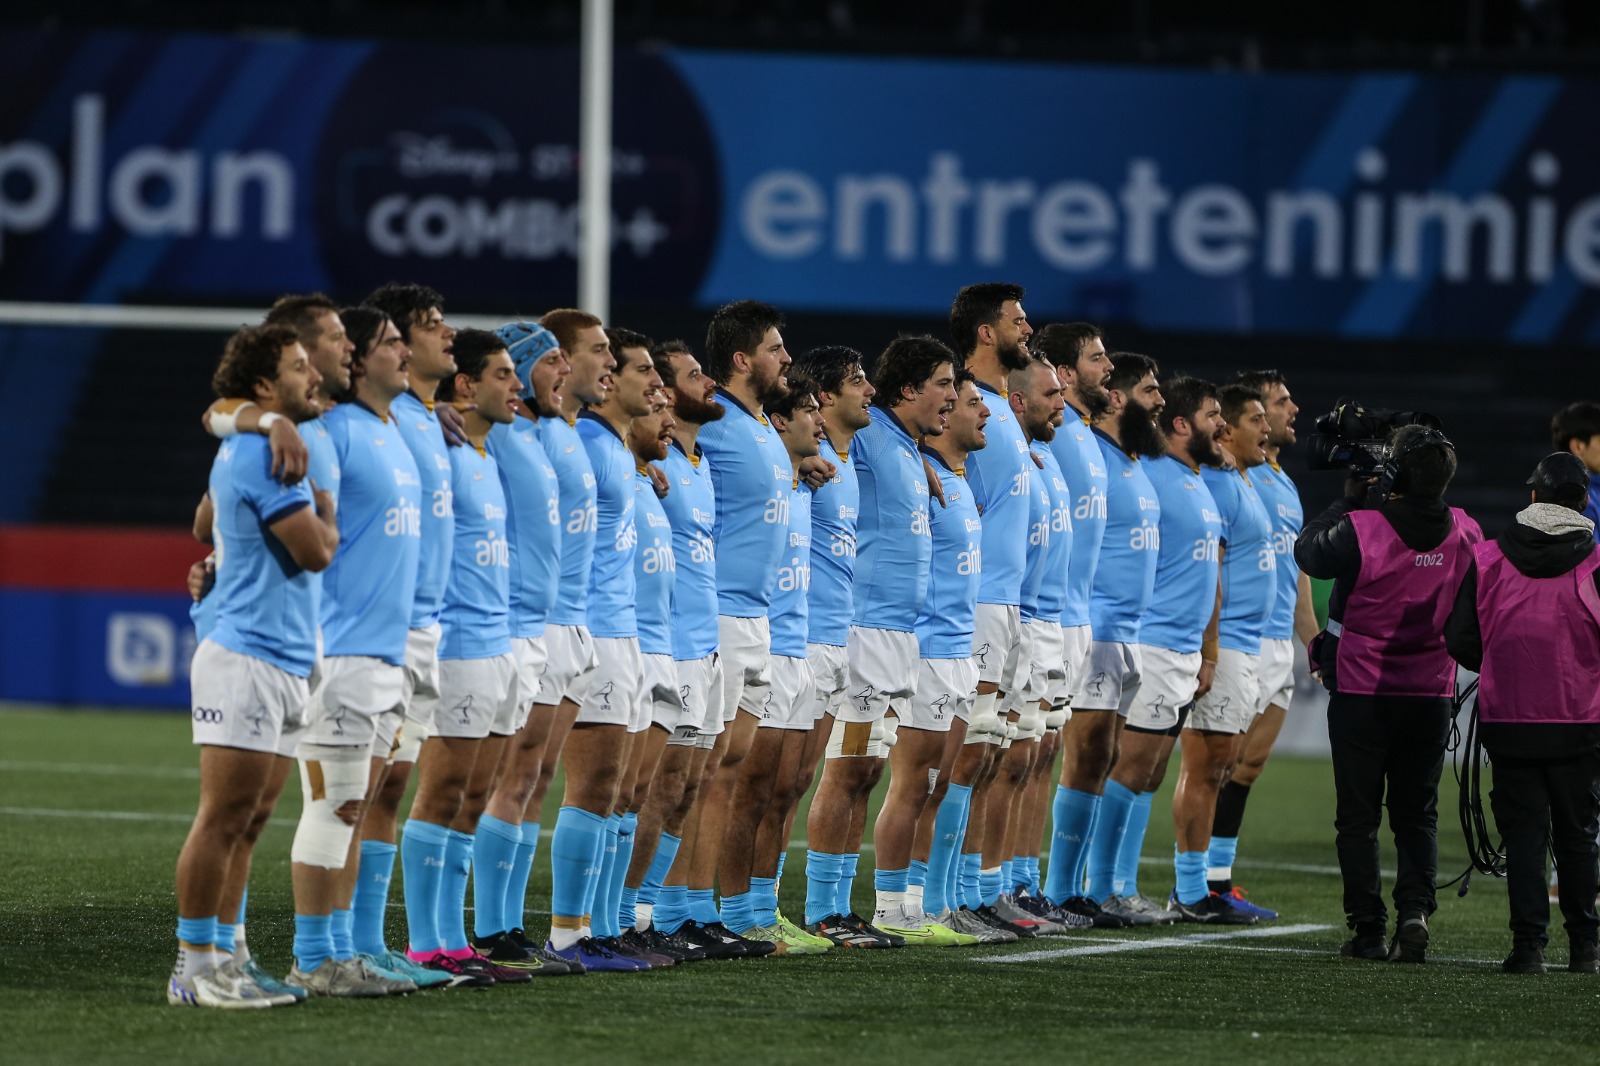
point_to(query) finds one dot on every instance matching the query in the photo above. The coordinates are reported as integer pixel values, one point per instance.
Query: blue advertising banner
(141, 166)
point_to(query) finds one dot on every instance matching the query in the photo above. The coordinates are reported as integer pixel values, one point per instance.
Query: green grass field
(94, 807)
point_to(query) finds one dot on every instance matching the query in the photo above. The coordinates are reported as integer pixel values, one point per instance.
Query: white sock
(241, 949)
(891, 902)
(914, 899)
(643, 915)
(562, 939)
(193, 961)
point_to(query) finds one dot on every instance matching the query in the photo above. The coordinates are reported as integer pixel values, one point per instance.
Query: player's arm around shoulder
(310, 535)
(231, 417)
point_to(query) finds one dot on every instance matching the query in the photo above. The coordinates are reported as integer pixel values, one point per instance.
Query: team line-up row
(692, 581)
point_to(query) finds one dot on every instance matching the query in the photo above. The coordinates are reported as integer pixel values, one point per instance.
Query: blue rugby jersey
(893, 537)
(1001, 476)
(1125, 576)
(1052, 598)
(566, 453)
(655, 567)
(612, 591)
(1078, 454)
(369, 589)
(1249, 563)
(751, 472)
(790, 620)
(691, 506)
(264, 604)
(322, 469)
(419, 427)
(945, 623)
(1282, 500)
(833, 551)
(1186, 567)
(476, 620)
(533, 523)
(1038, 556)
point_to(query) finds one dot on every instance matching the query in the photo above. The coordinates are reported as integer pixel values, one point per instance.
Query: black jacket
(1537, 554)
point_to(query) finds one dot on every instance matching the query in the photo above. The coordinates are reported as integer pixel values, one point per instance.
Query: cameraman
(1395, 565)
(1527, 619)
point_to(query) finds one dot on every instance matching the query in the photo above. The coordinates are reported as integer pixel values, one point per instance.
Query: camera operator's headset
(1392, 458)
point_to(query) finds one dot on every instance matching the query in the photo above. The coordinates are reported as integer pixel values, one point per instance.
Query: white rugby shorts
(240, 701)
(1235, 694)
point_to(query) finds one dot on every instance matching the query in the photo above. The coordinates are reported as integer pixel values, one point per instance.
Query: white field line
(1112, 947)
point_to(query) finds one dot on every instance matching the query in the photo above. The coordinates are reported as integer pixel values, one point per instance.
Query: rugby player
(504, 847)
(845, 397)
(1214, 734)
(248, 677)
(588, 856)
(751, 474)
(676, 888)
(316, 321)
(1171, 672)
(913, 392)
(357, 702)
(789, 711)
(1124, 580)
(1293, 618)
(477, 706)
(655, 572)
(991, 331)
(582, 341)
(418, 313)
(1078, 352)
(947, 678)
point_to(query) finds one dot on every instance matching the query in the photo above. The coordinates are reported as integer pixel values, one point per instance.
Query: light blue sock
(919, 876)
(1220, 856)
(573, 846)
(344, 942)
(313, 940)
(783, 857)
(453, 892)
(971, 880)
(600, 890)
(1127, 876)
(515, 905)
(1033, 875)
(989, 886)
(946, 846)
(1190, 868)
(422, 847)
(660, 866)
(1072, 813)
(201, 932)
(494, 860)
(1081, 876)
(822, 885)
(1008, 880)
(703, 906)
(370, 903)
(1115, 807)
(619, 874)
(764, 900)
(738, 913)
(672, 909)
(891, 880)
(628, 912)
(225, 935)
(847, 883)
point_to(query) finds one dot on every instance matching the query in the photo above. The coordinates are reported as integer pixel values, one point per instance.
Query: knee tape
(986, 720)
(1057, 716)
(1030, 722)
(854, 740)
(330, 777)
(887, 735)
